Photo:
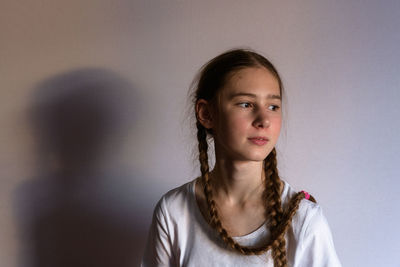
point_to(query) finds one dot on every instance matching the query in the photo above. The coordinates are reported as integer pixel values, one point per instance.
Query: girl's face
(247, 122)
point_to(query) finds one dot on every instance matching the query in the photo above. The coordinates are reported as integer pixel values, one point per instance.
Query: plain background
(102, 86)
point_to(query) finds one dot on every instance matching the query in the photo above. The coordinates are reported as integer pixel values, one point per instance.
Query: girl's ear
(204, 113)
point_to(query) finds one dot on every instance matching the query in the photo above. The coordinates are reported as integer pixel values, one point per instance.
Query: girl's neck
(235, 182)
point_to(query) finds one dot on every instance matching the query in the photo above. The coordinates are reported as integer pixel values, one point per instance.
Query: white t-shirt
(180, 236)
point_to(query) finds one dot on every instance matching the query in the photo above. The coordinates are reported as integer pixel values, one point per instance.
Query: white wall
(339, 61)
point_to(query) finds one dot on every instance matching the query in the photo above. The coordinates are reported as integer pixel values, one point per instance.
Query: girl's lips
(259, 140)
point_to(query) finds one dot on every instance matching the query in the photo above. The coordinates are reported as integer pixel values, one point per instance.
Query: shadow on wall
(80, 208)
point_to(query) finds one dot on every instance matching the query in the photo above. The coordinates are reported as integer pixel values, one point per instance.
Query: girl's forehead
(257, 81)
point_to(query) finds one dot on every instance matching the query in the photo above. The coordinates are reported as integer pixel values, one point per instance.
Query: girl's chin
(240, 155)
(255, 158)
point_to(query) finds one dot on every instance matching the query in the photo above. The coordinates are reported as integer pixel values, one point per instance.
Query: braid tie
(278, 222)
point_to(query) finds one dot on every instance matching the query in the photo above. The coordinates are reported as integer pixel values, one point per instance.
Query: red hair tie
(306, 195)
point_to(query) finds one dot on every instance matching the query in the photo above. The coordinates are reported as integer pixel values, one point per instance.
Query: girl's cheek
(237, 122)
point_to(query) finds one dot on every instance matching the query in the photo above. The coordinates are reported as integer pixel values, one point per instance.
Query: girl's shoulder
(309, 219)
(180, 193)
(311, 232)
(288, 193)
(176, 200)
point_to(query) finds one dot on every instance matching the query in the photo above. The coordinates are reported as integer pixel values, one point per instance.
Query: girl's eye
(273, 107)
(244, 105)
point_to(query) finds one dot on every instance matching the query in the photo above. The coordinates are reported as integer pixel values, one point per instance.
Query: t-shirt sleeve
(316, 243)
(158, 250)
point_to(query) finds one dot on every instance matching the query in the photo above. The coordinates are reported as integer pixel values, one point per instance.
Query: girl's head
(238, 97)
(215, 73)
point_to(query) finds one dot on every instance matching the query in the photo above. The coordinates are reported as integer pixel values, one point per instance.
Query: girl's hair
(212, 77)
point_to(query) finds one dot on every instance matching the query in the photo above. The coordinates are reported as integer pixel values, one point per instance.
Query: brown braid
(278, 222)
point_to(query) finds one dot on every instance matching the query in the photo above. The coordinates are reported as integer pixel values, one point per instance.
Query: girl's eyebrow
(254, 96)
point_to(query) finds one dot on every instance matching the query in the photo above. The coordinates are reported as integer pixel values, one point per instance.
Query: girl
(241, 213)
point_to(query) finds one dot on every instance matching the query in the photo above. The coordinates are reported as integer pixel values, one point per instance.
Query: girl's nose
(262, 119)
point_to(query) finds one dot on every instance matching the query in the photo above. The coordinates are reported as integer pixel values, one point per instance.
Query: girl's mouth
(259, 140)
